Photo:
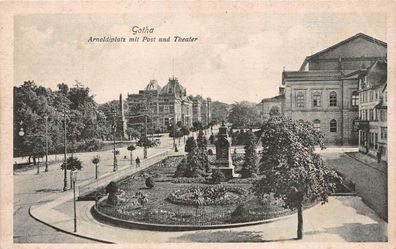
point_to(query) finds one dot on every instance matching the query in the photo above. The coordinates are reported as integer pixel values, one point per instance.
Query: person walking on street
(379, 154)
(137, 162)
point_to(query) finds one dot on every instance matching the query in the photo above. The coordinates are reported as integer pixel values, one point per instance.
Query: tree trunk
(300, 222)
(34, 160)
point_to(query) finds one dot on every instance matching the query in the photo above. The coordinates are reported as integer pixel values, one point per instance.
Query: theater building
(325, 90)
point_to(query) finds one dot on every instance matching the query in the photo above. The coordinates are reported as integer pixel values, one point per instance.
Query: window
(166, 108)
(384, 132)
(300, 100)
(333, 98)
(376, 141)
(316, 100)
(316, 124)
(333, 125)
(355, 99)
(371, 115)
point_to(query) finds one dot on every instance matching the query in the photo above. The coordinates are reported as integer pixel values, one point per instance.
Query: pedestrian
(379, 154)
(137, 162)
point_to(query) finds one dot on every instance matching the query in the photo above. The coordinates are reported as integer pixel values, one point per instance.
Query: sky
(237, 57)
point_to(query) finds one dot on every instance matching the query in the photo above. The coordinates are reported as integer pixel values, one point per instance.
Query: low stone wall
(97, 214)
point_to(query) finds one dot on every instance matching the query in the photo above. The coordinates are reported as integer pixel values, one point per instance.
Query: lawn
(169, 201)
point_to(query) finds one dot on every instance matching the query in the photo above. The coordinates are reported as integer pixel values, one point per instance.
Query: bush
(181, 169)
(73, 163)
(112, 188)
(239, 211)
(150, 182)
(217, 177)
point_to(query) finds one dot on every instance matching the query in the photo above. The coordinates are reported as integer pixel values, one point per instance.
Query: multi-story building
(162, 107)
(373, 110)
(325, 89)
(197, 103)
(271, 106)
(205, 111)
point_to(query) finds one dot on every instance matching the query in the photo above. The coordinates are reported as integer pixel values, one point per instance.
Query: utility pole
(46, 143)
(65, 156)
(114, 145)
(145, 138)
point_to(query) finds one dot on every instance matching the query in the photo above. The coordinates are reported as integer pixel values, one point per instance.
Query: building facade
(325, 89)
(162, 107)
(373, 131)
(271, 106)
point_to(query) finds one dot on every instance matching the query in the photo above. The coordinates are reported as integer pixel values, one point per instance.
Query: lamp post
(115, 166)
(21, 133)
(74, 179)
(46, 143)
(65, 155)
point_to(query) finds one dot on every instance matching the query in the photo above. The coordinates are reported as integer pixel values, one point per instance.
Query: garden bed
(170, 201)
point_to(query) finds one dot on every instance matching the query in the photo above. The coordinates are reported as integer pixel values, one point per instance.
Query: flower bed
(169, 201)
(211, 195)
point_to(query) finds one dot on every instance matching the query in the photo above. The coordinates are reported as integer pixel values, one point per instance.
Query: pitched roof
(358, 35)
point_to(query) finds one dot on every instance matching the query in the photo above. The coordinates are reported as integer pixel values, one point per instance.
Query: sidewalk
(369, 161)
(346, 219)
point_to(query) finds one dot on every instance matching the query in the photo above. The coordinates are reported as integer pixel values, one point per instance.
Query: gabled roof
(358, 35)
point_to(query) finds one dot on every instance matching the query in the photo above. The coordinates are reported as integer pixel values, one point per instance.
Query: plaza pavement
(342, 219)
(31, 188)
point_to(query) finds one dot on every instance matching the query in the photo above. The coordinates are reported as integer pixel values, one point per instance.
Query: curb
(100, 216)
(368, 165)
(65, 231)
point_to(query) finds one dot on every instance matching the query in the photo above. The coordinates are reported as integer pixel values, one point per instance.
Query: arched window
(300, 100)
(355, 99)
(316, 124)
(333, 125)
(333, 98)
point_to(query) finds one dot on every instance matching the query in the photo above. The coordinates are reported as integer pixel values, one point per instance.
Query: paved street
(30, 188)
(370, 182)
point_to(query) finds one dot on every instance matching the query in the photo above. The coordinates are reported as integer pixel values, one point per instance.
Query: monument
(223, 160)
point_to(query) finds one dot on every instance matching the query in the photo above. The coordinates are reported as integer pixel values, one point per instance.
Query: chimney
(281, 91)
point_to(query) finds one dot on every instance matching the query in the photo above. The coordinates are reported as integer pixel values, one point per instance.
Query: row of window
(373, 115)
(317, 99)
(333, 125)
(369, 96)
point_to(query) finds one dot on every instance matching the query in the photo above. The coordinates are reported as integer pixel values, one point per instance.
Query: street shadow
(225, 236)
(49, 190)
(361, 209)
(356, 232)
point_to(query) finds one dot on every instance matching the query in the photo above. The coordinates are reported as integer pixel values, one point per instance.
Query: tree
(243, 114)
(95, 161)
(197, 125)
(249, 167)
(291, 170)
(219, 111)
(73, 163)
(190, 144)
(133, 133)
(112, 190)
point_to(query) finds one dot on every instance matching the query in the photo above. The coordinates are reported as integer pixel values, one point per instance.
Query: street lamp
(65, 154)
(115, 166)
(74, 179)
(21, 133)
